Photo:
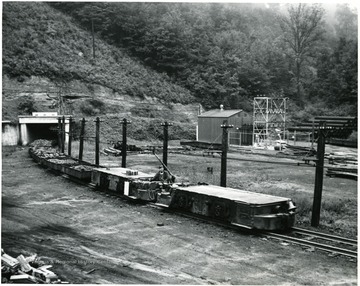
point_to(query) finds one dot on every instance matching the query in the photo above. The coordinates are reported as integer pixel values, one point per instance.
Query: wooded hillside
(229, 53)
(41, 41)
(186, 52)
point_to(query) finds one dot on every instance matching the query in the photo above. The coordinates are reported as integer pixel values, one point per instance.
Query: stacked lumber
(298, 151)
(342, 164)
(342, 158)
(112, 151)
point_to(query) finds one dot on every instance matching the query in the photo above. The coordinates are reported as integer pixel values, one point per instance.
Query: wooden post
(313, 134)
(70, 135)
(81, 143)
(319, 174)
(97, 141)
(59, 133)
(93, 37)
(165, 142)
(225, 142)
(124, 143)
(63, 135)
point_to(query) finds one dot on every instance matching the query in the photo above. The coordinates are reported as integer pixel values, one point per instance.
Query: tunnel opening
(42, 131)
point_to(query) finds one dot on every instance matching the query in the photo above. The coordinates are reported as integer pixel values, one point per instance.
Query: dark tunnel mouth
(47, 131)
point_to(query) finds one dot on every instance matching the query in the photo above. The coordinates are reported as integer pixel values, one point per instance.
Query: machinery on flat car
(237, 207)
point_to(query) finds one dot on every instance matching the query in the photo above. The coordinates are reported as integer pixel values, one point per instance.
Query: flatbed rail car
(234, 206)
(238, 207)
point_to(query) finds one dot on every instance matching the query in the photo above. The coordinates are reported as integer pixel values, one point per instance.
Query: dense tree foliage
(41, 41)
(229, 53)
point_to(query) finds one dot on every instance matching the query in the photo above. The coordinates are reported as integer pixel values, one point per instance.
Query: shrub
(26, 105)
(93, 107)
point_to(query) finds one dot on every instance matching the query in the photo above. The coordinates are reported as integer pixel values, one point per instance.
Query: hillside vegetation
(229, 53)
(151, 56)
(45, 52)
(40, 41)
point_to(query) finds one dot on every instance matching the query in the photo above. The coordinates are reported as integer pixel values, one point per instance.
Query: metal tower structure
(269, 117)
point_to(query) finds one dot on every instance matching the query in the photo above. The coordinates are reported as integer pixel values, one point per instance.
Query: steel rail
(284, 237)
(331, 237)
(321, 246)
(328, 248)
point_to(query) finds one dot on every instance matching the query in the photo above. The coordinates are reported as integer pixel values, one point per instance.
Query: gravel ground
(91, 237)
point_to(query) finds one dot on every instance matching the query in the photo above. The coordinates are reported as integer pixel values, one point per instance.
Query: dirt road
(92, 237)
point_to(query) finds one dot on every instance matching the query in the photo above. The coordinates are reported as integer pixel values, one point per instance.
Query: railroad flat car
(238, 207)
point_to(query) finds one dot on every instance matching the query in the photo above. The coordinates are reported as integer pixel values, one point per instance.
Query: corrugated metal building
(209, 124)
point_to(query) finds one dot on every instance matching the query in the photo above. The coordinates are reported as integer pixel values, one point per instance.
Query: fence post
(165, 142)
(319, 175)
(70, 136)
(225, 142)
(81, 143)
(97, 141)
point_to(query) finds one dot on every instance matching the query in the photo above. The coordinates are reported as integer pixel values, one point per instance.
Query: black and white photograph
(179, 143)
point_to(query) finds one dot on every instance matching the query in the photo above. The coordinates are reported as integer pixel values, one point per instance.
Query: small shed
(209, 125)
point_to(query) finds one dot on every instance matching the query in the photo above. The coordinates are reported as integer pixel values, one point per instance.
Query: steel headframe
(269, 114)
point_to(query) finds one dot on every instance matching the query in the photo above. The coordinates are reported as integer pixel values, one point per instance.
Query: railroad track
(326, 242)
(330, 243)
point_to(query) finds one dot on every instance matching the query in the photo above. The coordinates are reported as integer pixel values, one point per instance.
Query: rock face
(23, 95)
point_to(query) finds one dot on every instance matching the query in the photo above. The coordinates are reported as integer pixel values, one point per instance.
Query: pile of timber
(342, 164)
(26, 270)
(201, 144)
(112, 151)
(298, 151)
(342, 158)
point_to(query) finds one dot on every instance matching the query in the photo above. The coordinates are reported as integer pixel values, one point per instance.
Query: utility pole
(319, 175)
(70, 135)
(63, 135)
(124, 142)
(59, 133)
(97, 141)
(165, 142)
(93, 37)
(81, 143)
(225, 142)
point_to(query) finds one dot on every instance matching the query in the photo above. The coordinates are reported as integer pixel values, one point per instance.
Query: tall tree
(302, 29)
(346, 26)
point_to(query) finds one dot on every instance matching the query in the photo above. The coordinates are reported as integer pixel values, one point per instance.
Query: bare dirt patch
(93, 237)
